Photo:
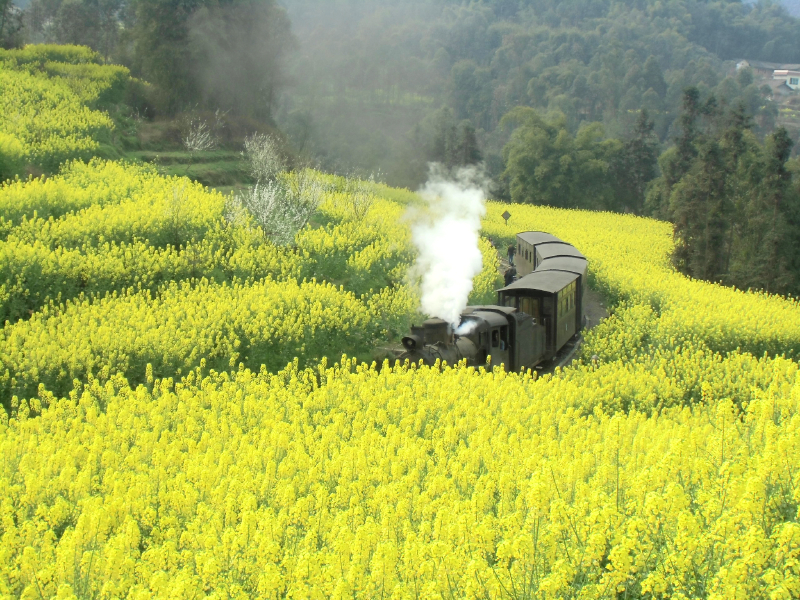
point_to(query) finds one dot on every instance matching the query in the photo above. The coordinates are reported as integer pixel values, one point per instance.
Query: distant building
(782, 78)
(790, 76)
(765, 69)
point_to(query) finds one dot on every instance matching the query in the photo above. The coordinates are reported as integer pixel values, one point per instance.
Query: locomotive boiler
(535, 316)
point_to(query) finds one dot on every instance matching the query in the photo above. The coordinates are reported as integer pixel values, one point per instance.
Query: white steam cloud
(466, 327)
(446, 237)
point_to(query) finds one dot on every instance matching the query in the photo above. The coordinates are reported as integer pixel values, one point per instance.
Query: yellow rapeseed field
(46, 105)
(408, 483)
(155, 444)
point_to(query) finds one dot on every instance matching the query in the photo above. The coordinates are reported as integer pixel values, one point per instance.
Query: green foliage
(12, 156)
(39, 54)
(221, 54)
(637, 165)
(700, 205)
(545, 164)
(10, 24)
(453, 144)
(733, 202)
(591, 61)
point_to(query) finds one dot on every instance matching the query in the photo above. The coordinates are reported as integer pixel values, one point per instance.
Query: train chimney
(437, 331)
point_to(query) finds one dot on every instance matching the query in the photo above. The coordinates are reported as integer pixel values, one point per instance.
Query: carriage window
(503, 338)
(495, 338)
(529, 306)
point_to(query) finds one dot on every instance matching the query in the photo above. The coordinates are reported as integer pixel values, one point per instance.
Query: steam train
(535, 317)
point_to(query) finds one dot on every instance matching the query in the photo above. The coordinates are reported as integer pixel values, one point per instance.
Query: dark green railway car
(550, 297)
(551, 287)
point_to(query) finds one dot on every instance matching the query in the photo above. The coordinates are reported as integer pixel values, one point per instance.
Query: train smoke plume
(466, 327)
(446, 236)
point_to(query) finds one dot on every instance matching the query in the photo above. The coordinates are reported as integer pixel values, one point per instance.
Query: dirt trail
(594, 307)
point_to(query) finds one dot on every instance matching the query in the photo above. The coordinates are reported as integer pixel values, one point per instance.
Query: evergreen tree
(775, 205)
(740, 156)
(686, 150)
(653, 76)
(453, 145)
(236, 52)
(676, 162)
(468, 152)
(222, 53)
(736, 211)
(10, 24)
(445, 136)
(163, 56)
(700, 206)
(638, 164)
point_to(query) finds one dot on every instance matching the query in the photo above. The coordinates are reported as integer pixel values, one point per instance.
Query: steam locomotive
(535, 317)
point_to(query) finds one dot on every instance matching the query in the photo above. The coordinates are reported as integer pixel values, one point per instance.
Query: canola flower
(409, 483)
(35, 55)
(664, 468)
(108, 269)
(78, 186)
(266, 322)
(173, 212)
(46, 119)
(92, 83)
(80, 68)
(108, 226)
(375, 246)
(630, 364)
(485, 283)
(33, 274)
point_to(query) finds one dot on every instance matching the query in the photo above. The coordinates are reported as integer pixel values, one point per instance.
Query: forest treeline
(576, 104)
(370, 72)
(734, 202)
(375, 85)
(226, 55)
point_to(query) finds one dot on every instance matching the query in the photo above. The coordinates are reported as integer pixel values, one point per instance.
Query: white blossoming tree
(281, 203)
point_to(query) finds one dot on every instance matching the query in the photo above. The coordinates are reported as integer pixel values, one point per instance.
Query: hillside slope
(179, 419)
